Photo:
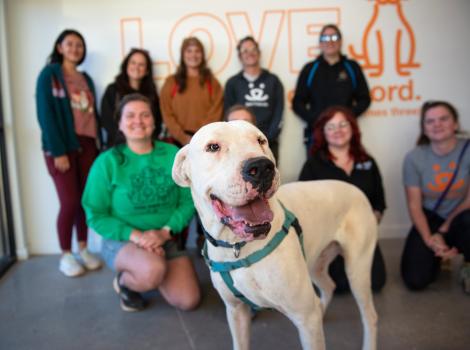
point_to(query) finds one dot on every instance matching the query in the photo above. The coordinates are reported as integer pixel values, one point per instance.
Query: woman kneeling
(131, 200)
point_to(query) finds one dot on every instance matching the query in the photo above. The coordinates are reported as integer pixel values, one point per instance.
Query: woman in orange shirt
(192, 97)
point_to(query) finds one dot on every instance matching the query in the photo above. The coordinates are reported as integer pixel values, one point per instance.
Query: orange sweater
(184, 113)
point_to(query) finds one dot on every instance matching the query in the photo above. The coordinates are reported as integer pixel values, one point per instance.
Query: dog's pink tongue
(255, 212)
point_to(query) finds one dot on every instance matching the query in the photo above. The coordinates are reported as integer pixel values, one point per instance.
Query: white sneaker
(90, 261)
(69, 266)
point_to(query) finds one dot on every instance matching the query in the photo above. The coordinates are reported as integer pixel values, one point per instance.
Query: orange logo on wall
(442, 178)
(404, 61)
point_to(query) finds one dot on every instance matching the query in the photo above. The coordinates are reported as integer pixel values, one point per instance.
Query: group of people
(127, 195)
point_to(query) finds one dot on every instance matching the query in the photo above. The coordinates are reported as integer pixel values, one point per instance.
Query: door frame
(7, 232)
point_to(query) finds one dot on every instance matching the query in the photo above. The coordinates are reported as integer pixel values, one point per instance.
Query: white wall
(288, 32)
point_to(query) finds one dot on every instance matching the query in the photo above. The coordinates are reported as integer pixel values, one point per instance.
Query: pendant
(236, 250)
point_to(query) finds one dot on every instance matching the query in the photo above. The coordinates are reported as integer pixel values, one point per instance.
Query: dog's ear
(180, 171)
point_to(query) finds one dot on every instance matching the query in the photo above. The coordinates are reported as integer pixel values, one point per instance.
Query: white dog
(256, 257)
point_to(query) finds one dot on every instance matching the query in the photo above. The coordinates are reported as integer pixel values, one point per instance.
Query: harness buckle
(236, 250)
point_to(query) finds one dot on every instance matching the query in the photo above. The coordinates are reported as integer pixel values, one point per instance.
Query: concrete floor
(41, 309)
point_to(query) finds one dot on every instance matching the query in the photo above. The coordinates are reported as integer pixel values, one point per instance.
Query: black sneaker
(130, 300)
(465, 277)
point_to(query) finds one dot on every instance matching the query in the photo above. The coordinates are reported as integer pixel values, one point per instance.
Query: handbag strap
(454, 175)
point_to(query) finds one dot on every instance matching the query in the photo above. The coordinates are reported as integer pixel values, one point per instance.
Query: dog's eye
(261, 141)
(212, 147)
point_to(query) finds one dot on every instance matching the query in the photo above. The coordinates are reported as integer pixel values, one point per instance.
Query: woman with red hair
(337, 154)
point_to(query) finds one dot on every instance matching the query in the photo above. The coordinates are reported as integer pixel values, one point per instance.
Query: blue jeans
(110, 249)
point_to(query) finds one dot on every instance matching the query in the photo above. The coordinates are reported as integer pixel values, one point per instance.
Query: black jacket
(331, 85)
(109, 105)
(365, 175)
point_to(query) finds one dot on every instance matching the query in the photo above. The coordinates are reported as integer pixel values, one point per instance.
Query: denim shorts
(110, 249)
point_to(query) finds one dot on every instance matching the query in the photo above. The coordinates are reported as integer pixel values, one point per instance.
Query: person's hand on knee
(438, 245)
(153, 241)
(448, 253)
(158, 251)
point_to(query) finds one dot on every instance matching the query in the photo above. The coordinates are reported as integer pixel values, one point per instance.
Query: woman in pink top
(66, 109)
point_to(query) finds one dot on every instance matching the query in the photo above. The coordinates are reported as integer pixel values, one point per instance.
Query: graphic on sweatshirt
(342, 76)
(442, 178)
(149, 186)
(367, 165)
(256, 96)
(81, 101)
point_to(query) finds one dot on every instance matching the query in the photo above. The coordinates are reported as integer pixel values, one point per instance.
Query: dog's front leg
(239, 320)
(309, 322)
(310, 330)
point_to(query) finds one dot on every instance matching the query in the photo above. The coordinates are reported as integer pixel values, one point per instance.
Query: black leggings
(419, 266)
(378, 274)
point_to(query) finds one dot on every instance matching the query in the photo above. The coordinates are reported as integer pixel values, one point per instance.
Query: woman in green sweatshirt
(131, 200)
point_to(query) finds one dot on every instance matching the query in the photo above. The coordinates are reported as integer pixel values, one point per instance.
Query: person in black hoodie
(257, 89)
(331, 79)
(136, 75)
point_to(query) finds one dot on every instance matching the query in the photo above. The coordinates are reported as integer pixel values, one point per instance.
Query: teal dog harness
(224, 268)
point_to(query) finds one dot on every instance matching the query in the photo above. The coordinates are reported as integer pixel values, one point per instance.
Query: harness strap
(229, 283)
(219, 243)
(209, 87)
(346, 65)
(298, 229)
(312, 73)
(350, 70)
(224, 268)
(174, 90)
(251, 259)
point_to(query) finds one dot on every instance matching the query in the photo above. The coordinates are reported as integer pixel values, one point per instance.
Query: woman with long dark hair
(66, 109)
(192, 97)
(338, 154)
(436, 176)
(135, 75)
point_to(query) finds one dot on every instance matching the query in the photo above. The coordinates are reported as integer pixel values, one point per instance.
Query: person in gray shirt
(258, 89)
(441, 221)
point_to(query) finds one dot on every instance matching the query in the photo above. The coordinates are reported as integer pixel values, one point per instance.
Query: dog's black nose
(259, 172)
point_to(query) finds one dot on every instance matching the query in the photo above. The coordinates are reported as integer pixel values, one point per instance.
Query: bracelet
(172, 234)
(136, 238)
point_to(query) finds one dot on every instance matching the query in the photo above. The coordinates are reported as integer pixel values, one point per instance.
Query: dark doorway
(7, 237)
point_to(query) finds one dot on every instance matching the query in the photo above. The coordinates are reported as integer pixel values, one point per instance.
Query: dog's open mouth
(250, 221)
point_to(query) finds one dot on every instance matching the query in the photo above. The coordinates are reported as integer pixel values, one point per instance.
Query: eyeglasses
(330, 127)
(326, 38)
(248, 51)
